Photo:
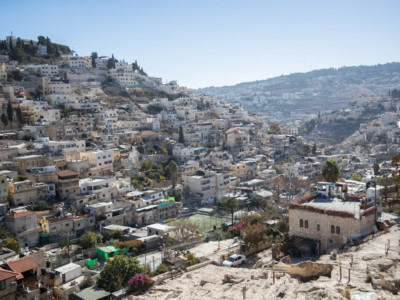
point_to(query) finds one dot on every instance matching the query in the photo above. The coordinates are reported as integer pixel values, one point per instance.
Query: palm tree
(173, 168)
(230, 204)
(331, 171)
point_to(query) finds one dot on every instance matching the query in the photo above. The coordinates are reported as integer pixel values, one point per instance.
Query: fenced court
(207, 222)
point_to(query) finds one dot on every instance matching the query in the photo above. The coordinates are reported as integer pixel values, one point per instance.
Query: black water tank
(48, 264)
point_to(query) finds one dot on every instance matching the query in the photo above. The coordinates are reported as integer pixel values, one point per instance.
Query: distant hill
(290, 96)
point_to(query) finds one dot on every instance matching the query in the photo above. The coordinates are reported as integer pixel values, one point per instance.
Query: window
(332, 229)
(337, 230)
(301, 222)
(318, 227)
(2, 285)
(306, 224)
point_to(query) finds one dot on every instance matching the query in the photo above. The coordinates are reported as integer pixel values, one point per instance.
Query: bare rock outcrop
(307, 270)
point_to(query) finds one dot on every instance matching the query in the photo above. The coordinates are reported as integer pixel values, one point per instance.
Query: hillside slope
(305, 93)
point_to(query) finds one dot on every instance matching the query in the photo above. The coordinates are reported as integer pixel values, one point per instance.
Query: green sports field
(207, 223)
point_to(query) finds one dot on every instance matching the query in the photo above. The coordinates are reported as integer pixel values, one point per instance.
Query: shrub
(192, 259)
(160, 270)
(86, 282)
(134, 246)
(139, 283)
(88, 239)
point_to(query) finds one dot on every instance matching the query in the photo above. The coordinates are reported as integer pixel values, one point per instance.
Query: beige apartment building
(67, 185)
(26, 192)
(24, 226)
(324, 223)
(26, 163)
(5, 177)
(58, 227)
(209, 187)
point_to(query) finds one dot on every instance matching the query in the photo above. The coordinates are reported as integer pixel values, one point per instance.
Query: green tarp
(91, 262)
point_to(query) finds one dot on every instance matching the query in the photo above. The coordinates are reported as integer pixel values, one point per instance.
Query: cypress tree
(181, 139)
(10, 113)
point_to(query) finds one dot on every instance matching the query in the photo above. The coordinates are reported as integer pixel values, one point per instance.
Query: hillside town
(107, 171)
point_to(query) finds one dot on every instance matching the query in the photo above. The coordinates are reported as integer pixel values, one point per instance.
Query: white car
(234, 260)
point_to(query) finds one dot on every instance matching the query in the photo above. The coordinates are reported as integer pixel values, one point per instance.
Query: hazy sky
(203, 43)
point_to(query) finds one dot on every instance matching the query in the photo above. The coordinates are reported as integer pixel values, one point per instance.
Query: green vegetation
(94, 56)
(330, 171)
(308, 126)
(154, 109)
(117, 273)
(12, 244)
(136, 67)
(356, 177)
(86, 282)
(254, 235)
(111, 62)
(151, 171)
(115, 234)
(88, 239)
(161, 269)
(134, 246)
(181, 138)
(231, 204)
(41, 205)
(4, 233)
(191, 259)
(376, 168)
(15, 75)
(4, 120)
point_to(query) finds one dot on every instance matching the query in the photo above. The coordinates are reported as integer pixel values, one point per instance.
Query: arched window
(337, 230)
(306, 224)
(301, 222)
(332, 229)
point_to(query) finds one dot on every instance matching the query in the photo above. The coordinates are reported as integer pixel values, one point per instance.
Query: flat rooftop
(336, 204)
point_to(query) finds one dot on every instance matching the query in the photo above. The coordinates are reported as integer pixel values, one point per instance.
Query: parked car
(234, 260)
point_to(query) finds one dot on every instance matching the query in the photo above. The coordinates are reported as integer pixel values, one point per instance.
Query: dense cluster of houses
(79, 153)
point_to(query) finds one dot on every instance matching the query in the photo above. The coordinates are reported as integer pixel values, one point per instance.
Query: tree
(181, 138)
(12, 244)
(4, 120)
(376, 169)
(231, 204)
(173, 168)
(184, 230)
(275, 128)
(94, 57)
(254, 235)
(314, 149)
(115, 234)
(17, 75)
(111, 62)
(18, 54)
(86, 282)
(88, 239)
(356, 177)
(331, 171)
(10, 112)
(117, 272)
(20, 117)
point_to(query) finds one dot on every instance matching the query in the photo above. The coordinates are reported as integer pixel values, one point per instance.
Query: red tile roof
(23, 264)
(20, 214)
(5, 274)
(66, 173)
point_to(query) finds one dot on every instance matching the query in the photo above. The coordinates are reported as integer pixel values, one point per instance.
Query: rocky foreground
(373, 275)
